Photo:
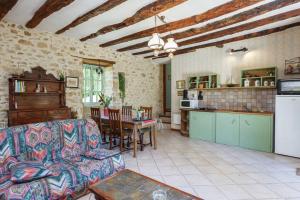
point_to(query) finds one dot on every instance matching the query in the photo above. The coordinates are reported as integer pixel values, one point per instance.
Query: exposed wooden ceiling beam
(49, 7)
(234, 39)
(5, 6)
(108, 5)
(150, 10)
(246, 15)
(233, 30)
(218, 11)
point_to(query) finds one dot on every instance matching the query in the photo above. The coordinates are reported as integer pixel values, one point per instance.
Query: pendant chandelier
(158, 45)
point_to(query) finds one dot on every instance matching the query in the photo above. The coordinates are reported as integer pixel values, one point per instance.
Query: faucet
(245, 107)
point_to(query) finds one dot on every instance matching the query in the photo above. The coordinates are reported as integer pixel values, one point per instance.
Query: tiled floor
(214, 171)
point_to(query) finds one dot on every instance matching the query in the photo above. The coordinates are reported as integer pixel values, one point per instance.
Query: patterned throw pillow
(28, 171)
(93, 136)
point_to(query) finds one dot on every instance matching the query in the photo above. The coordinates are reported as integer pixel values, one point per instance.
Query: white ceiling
(25, 9)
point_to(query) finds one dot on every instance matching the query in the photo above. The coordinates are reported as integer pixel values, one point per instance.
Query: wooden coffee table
(127, 185)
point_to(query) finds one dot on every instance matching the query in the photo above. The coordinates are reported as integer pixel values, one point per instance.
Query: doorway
(167, 70)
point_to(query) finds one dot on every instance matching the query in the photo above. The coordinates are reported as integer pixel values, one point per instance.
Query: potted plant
(105, 101)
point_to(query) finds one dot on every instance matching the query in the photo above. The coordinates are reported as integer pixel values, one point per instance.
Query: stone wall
(21, 49)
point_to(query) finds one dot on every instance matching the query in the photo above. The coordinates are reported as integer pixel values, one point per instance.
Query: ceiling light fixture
(242, 49)
(157, 44)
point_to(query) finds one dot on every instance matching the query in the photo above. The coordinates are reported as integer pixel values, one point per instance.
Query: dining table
(130, 123)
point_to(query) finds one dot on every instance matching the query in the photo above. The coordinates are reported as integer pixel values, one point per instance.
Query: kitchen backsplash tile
(241, 99)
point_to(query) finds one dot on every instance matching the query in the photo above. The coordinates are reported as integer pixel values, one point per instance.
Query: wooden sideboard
(28, 104)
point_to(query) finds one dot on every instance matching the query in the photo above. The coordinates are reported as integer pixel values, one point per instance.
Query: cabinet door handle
(247, 122)
(233, 121)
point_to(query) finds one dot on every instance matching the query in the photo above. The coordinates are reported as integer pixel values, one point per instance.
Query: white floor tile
(259, 191)
(168, 170)
(196, 179)
(188, 169)
(284, 191)
(262, 178)
(176, 180)
(219, 179)
(240, 178)
(234, 192)
(209, 193)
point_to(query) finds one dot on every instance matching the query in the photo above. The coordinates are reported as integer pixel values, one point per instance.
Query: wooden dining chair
(117, 131)
(127, 111)
(104, 128)
(147, 115)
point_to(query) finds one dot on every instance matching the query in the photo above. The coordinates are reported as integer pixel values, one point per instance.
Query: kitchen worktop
(227, 111)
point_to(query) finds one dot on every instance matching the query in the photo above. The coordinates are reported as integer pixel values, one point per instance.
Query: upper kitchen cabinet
(202, 126)
(259, 77)
(203, 81)
(256, 132)
(227, 128)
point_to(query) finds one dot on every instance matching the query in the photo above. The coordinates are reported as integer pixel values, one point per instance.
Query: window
(92, 85)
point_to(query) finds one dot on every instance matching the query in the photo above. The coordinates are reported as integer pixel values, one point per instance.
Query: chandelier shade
(170, 46)
(156, 42)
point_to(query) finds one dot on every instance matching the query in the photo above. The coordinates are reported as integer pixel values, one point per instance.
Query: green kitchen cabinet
(228, 128)
(256, 132)
(203, 126)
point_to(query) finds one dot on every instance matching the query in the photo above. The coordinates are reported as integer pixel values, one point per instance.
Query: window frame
(91, 90)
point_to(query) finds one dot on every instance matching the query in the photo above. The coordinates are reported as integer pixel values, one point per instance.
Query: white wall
(270, 50)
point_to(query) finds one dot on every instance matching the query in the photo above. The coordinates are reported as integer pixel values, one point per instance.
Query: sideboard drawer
(59, 114)
(27, 117)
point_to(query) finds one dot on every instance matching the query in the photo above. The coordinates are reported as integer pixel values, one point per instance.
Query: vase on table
(105, 111)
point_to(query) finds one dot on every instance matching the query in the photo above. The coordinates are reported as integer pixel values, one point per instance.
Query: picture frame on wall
(72, 82)
(180, 85)
(180, 93)
(292, 66)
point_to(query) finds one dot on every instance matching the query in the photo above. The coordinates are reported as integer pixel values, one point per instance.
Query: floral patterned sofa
(70, 149)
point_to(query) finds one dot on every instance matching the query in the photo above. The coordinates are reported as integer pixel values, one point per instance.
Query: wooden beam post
(150, 10)
(5, 6)
(48, 8)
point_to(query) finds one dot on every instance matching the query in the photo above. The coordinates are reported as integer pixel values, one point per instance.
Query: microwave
(189, 103)
(288, 87)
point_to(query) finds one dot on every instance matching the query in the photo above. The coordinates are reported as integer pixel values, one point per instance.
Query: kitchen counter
(228, 111)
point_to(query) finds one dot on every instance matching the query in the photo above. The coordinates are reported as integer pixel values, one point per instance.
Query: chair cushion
(28, 171)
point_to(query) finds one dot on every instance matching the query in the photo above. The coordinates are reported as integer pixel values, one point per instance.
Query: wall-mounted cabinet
(203, 81)
(252, 131)
(260, 77)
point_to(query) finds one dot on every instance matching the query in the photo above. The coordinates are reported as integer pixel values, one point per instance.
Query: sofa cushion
(72, 138)
(100, 154)
(38, 139)
(93, 170)
(28, 171)
(7, 164)
(5, 183)
(66, 180)
(34, 190)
